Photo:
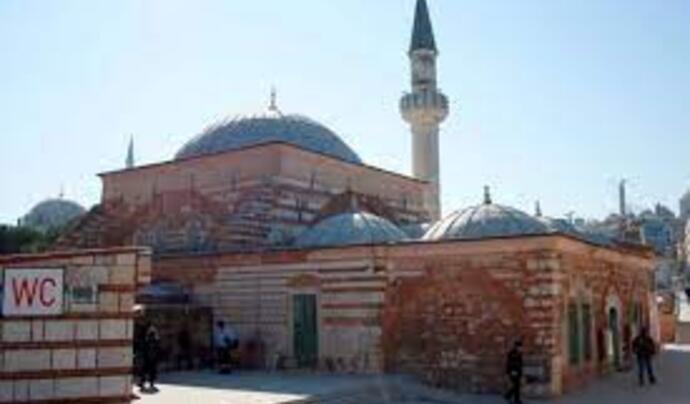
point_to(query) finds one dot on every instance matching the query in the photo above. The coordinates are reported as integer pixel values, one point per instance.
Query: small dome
(415, 231)
(350, 228)
(485, 221)
(559, 225)
(598, 237)
(52, 214)
(274, 127)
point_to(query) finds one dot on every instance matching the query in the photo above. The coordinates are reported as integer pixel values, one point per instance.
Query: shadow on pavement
(672, 368)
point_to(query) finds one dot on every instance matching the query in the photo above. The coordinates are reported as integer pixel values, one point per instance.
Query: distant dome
(274, 127)
(351, 228)
(484, 221)
(52, 214)
(566, 227)
(596, 236)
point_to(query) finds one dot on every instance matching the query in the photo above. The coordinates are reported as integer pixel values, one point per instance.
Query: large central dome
(296, 130)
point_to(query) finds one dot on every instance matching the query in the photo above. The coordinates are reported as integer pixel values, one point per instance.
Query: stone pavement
(673, 368)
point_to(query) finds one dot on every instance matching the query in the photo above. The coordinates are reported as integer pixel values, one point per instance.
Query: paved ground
(253, 388)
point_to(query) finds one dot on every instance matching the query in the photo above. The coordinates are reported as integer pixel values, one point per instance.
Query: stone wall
(453, 325)
(257, 301)
(447, 312)
(604, 280)
(83, 354)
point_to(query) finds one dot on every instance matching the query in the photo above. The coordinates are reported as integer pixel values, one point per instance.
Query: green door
(305, 336)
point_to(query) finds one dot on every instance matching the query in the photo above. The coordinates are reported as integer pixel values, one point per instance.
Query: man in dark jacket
(150, 357)
(139, 349)
(514, 367)
(644, 348)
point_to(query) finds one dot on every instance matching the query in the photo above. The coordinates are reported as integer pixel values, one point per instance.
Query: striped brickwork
(444, 311)
(236, 201)
(84, 354)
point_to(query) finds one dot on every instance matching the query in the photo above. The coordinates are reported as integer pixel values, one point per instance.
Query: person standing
(150, 358)
(184, 345)
(514, 370)
(644, 349)
(225, 341)
(139, 349)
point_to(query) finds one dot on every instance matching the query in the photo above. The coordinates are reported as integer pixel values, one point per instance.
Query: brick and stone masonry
(446, 312)
(83, 354)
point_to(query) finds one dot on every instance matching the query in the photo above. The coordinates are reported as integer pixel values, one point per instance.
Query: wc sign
(32, 292)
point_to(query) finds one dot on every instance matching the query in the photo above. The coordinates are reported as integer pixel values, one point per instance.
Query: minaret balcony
(424, 106)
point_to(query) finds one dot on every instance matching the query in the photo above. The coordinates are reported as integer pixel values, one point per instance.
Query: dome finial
(487, 195)
(537, 209)
(273, 105)
(354, 203)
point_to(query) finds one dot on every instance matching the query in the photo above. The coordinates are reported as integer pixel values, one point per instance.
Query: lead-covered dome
(243, 132)
(52, 214)
(558, 225)
(350, 228)
(485, 221)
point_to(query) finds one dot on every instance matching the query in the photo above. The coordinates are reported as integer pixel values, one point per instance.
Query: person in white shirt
(225, 341)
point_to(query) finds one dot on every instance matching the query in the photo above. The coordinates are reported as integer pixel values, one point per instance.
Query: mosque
(279, 227)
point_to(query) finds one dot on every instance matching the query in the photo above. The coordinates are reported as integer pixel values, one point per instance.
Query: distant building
(52, 215)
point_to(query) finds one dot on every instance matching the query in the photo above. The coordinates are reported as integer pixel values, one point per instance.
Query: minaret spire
(425, 107)
(621, 198)
(129, 162)
(422, 32)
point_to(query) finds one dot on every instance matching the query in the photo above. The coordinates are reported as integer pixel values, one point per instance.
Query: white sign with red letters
(32, 292)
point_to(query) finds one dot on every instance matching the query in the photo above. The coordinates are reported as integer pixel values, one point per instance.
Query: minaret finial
(537, 209)
(62, 192)
(354, 203)
(129, 162)
(487, 195)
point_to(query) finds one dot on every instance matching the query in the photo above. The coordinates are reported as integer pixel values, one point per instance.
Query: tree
(18, 239)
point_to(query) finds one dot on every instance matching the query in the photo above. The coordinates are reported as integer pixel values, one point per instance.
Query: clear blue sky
(551, 100)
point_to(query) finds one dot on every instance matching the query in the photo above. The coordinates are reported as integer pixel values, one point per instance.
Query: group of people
(643, 347)
(147, 351)
(225, 341)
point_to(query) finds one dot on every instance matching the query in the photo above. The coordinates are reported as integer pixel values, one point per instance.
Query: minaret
(425, 107)
(129, 162)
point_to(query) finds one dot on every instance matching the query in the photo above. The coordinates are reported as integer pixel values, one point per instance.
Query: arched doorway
(614, 337)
